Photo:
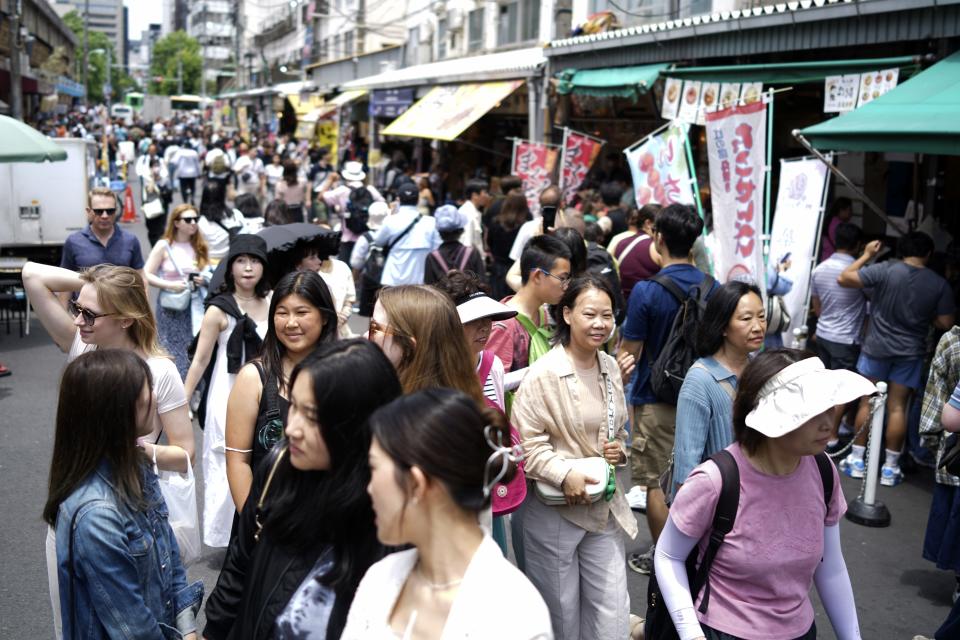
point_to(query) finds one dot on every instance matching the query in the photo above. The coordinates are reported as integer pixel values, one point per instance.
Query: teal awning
(922, 115)
(23, 143)
(615, 82)
(793, 72)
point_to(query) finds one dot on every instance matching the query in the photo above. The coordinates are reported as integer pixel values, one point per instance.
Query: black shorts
(836, 355)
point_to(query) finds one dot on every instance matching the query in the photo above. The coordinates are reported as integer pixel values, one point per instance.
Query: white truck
(41, 203)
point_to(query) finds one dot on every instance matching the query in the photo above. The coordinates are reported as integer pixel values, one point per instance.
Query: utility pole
(238, 45)
(86, 51)
(16, 89)
(179, 75)
(109, 96)
(360, 46)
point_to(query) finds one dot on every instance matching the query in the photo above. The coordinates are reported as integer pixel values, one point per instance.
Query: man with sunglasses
(101, 241)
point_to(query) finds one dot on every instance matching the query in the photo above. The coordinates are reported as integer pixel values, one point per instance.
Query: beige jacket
(546, 411)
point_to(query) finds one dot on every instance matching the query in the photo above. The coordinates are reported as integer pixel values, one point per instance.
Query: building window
(337, 51)
(530, 19)
(475, 30)
(348, 44)
(413, 44)
(507, 24)
(441, 39)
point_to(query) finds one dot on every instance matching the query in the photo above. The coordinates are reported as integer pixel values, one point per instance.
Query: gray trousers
(581, 575)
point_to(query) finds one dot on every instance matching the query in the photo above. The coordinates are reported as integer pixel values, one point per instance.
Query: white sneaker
(637, 498)
(890, 476)
(853, 466)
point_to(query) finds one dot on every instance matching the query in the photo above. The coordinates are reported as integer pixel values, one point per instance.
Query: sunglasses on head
(89, 317)
(104, 212)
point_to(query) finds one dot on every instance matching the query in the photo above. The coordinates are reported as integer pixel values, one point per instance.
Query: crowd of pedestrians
(521, 391)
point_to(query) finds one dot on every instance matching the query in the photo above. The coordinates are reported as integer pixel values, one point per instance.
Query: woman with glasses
(112, 312)
(174, 266)
(434, 459)
(230, 335)
(570, 411)
(418, 329)
(301, 317)
(306, 534)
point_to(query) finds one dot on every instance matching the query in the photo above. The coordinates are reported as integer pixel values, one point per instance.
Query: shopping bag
(180, 493)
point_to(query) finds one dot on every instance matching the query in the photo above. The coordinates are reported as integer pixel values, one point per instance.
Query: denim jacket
(128, 581)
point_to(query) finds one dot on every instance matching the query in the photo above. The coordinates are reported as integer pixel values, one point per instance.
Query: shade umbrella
(23, 143)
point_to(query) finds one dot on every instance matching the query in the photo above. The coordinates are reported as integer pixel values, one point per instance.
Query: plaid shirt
(944, 376)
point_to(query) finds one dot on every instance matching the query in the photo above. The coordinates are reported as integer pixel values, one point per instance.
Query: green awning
(922, 115)
(23, 143)
(616, 82)
(793, 72)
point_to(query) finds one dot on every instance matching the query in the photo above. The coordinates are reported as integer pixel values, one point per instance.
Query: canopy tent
(617, 82)
(23, 143)
(446, 111)
(922, 115)
(335, 103)
(793, 72)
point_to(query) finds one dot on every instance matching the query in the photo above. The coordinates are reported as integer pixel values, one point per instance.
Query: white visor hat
(480, 305)
(802, 391)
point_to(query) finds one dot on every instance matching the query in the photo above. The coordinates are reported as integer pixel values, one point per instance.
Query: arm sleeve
(873, 274)
(693, 422)
(501, 343)
(945, 305)
(67, 260)
(833, 585)
(635, 326)
(103, 556)
(359, 254)
(955, 398)
(533, 420)
(671, 553)
(383, 236)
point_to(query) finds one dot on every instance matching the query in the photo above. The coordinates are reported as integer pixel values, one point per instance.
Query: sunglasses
(188, 219)
(89, 317)
(104, 212)
(376, 327)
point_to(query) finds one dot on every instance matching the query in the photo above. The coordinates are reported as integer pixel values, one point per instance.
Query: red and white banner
(736, 148)
(534, 163)
(579, 153)
(659, 168)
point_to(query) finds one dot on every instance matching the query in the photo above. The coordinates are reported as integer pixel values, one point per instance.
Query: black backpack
(679, 351)
(372, 269)
(659, 625)
(358, 209)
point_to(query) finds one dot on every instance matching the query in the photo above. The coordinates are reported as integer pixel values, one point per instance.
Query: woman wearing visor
(786, 534)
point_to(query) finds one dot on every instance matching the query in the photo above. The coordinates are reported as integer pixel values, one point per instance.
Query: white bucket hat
(480, 305)
(802, 391)
(352, 171)
(376, 214)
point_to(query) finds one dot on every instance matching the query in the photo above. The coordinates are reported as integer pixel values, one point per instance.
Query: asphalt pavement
(898, 593)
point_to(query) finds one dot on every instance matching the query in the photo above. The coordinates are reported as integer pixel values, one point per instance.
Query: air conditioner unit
(455, 19)
(426, 30)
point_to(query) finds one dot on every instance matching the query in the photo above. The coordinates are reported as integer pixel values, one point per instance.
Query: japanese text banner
(659, 169)
(534, 163)
(579, 152)
(736, 148)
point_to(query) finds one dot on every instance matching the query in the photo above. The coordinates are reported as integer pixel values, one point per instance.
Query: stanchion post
(866, 509)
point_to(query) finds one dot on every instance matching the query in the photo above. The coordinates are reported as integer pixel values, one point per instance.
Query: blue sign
(117, 185)
(390, 103)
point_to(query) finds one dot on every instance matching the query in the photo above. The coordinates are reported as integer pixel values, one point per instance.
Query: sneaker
(642, 563)
(890, 476)
(924, 459)
(853, 466)
(637, 498)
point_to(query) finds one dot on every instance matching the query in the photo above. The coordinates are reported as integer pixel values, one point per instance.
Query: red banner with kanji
(579, 153)
(534, 163)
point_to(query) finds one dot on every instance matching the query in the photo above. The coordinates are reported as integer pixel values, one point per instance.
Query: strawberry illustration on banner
(534, 164)
(659, 168)
(579, 153)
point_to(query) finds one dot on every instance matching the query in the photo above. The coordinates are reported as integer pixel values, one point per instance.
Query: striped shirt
(841, 309)
(493, 385)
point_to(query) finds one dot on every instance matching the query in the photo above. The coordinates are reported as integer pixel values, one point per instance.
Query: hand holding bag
(180, 493)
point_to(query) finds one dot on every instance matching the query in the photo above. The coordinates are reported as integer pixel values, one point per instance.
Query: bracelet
(238, 450)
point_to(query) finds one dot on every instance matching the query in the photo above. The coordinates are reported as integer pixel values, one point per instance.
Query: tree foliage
(97, 62)
(177, 46)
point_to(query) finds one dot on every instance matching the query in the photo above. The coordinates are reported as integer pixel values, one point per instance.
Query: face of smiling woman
(590, 320)
(298, 323)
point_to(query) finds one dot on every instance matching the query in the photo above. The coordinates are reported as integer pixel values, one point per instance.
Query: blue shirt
(704, 416)
(405, 263)
(650, 314)
(82, 250)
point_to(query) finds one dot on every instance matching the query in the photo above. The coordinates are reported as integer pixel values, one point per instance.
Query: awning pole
(693, 174)
(767, 179)
(856, 190)
(648, 136)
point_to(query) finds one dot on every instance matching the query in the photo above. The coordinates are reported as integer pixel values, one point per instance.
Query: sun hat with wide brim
(352, 171)
(802, 391)
(480, 305)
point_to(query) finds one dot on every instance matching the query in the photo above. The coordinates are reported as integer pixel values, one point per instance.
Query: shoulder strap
(667, 283)
(439, 258)
(263, 495)
(723, 518)
(166, 246)
(622, 255)
(486, 364)
(527, 324)
(826, 476)
(403, 233)
(467, 252)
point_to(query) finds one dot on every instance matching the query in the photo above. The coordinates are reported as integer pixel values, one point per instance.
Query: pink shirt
(761, 577)
(510, 342)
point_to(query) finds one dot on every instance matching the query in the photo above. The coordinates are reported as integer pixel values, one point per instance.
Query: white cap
(480, 305)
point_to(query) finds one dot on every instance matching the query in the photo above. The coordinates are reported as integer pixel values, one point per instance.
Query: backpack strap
(486, 364)
(393, 242)
(826, 476)
(723, 518)
(439, 258)
(464, 257)
(667, 283)
(621, 255)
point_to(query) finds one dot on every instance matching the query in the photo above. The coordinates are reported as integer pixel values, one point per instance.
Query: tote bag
(180, 493)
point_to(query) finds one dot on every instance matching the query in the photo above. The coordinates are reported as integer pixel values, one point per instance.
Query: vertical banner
(328, 135)
(736, 148)
(659, 169)
(579, 152)
(798, 213)
(534, 163)
(242, 124)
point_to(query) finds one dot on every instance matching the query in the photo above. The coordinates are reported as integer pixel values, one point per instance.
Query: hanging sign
(840, 93)
(533, 163)
(659, 169)
(736, 149)
(690, 103)
(750, 92)
(579, 152)
(729, 94)
(795, 225)
(671, 99)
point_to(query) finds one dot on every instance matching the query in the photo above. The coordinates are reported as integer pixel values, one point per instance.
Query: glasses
(104, 212)
(563, 280)
(188, 219)
(376, 327)
(89, 317)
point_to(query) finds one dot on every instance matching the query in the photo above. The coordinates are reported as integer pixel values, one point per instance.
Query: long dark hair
(213, 201)
(307, 509)
(261, 289)
(311, 287)
(441, 431)
(756, 374)
(97, 421)
(716, 316)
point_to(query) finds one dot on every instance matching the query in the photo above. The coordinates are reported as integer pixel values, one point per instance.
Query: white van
(122, 112)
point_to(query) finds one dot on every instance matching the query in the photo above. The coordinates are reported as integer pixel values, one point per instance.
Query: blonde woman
(174, 265)
(112, 312)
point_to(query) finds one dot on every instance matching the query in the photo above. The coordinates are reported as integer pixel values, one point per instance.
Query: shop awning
(617, 82)
(922, 115)
(446, 111)
(793, 72)
(304, 103)
(332, 105)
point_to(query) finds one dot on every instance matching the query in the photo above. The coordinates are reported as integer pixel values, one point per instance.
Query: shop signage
(672, 89)
(659, 169)
(736, 149)
(534, 163)
(690, 102)
(799, 208)
(729, 94)
(840, 93)
(390, 103)
(874, 84)
(751, 92)
(579, 152)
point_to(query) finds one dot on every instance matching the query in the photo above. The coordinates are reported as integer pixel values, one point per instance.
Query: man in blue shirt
(650, 313)
(410, 236)
(101, 242)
